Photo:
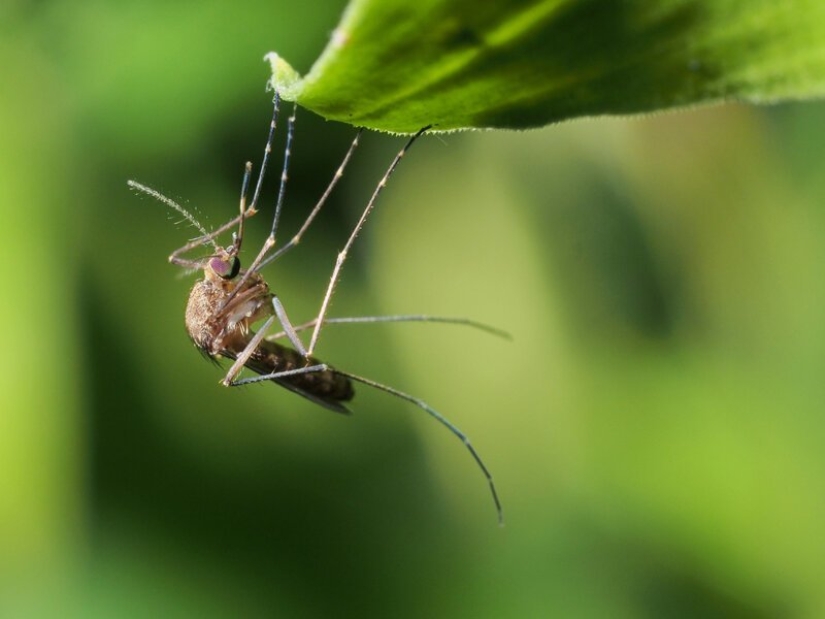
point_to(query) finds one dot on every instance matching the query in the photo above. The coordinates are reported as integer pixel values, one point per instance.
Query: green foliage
(395, 65)
(655, 426)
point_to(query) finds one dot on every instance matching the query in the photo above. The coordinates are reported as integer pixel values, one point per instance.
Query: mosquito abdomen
(270, 357)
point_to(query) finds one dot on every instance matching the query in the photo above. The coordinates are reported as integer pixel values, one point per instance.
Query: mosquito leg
(286, 325)
(270, 240)
(237, 237)
(320, 367)
(342, 255)
(288, 329)
(240, 361)
(398, 318)
(317, 208)
(276, 102)
(276, 218)
(249, 212)
(444, 422)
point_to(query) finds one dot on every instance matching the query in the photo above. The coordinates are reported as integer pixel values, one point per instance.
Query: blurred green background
(655, 427)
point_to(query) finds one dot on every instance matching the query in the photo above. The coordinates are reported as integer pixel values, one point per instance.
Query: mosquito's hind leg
(309, 369)
(444, 422)
(351, 320)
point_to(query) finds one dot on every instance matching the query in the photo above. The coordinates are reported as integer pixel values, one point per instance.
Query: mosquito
(224, 306)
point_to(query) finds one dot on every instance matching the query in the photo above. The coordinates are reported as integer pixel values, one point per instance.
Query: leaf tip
(285, 80)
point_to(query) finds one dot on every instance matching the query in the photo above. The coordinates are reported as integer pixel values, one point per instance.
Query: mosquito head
(225, 266)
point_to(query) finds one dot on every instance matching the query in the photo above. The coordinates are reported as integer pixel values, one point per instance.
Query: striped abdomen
(327, 387)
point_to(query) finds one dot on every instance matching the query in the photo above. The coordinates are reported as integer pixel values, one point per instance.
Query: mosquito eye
(225, 269)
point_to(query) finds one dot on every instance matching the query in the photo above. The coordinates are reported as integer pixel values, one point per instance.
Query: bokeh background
(655, 427)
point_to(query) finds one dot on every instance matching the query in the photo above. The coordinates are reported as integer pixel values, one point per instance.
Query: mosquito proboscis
(224, 306)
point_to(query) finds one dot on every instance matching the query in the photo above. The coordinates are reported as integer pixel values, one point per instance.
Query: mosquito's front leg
(270, 241)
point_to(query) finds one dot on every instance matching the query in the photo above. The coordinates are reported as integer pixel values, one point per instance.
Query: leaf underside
(397, 65)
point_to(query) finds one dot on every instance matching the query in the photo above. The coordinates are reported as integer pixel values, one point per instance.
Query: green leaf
(397, 65)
